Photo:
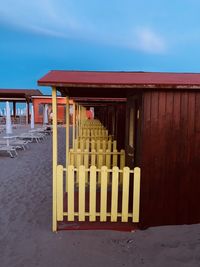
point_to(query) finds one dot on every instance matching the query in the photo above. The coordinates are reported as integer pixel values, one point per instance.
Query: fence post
(136, 194)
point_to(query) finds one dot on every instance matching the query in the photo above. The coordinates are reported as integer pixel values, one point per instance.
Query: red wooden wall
(170, 158)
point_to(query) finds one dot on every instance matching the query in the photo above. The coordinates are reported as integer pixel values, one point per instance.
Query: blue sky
(41, 35)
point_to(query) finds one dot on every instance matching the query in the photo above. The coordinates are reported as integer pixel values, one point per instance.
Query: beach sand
(25, 225)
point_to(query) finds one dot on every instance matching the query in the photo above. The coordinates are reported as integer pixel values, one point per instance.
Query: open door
(133, 123)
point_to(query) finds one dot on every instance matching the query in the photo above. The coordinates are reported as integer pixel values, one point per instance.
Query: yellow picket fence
(93, 122)
(98, 159)
(97, 144)
(89, 133)
(95, 127)
(109, 206)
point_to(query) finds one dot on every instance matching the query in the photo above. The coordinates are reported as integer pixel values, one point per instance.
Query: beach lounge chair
(21, 144)
(31, 137)
(9, 149)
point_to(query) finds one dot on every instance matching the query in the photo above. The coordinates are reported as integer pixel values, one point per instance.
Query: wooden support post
(74, 114)
(59, 193)
(136, 195)
(79, 118)
(67, 137)
(55, 157)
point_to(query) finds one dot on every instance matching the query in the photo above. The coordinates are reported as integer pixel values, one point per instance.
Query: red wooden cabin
(39, 103)
(160, 128)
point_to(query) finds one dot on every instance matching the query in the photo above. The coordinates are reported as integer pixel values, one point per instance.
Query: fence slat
(81, 197)
(108, 164)
(76, 146)
(114, 200)
(99, 164)
(93, 144)
(122, 164)
(82, 143)
(103, 202)
(70, 194)
(104, 142)
(93, 181)
(136, 195)
(125, 194)
(87, 145)
(86, 164)
(93, 158)
(78, 162)
(114, 158)
(59, 195)
(114, 145)
(109, 145)
(71, 157)
(98, 142)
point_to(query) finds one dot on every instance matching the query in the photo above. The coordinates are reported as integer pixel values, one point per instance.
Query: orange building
(39, 103)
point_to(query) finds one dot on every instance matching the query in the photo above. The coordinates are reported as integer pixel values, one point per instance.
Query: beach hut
(160, 125)
(19, 96)
(39, 102)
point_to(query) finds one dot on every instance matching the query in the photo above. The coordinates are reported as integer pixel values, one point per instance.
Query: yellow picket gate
(96, 144)
(115, 210)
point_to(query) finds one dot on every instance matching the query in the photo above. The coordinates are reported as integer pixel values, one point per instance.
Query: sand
(25, 225)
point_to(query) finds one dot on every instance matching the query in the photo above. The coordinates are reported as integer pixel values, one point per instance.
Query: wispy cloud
(39, 16)
(63, 20)
(149, 41)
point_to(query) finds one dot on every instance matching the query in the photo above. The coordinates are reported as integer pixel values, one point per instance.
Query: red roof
(86, 78)
(19, 92)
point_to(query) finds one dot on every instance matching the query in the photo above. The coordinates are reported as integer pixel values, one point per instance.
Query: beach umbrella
(8, 119)
(45, 114)
(32, 118)
(18, 111)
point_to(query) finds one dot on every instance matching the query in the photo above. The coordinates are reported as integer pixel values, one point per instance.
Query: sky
(105, 35)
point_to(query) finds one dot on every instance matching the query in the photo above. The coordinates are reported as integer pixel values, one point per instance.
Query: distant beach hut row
(11, 141)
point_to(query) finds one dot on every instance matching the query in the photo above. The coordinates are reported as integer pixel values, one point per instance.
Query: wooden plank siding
(170, 158)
